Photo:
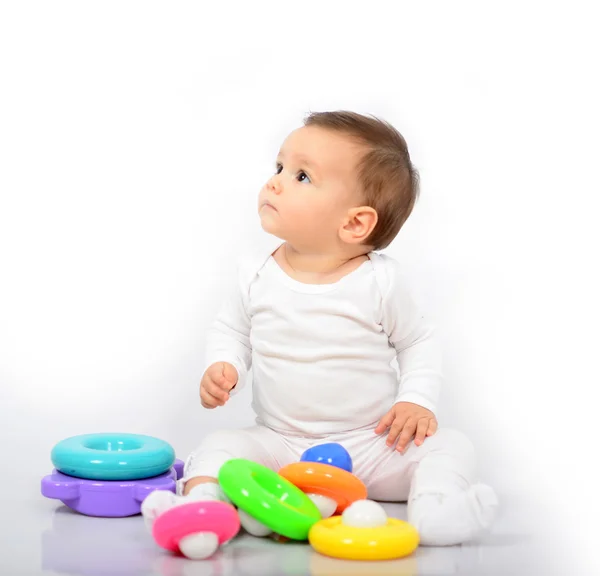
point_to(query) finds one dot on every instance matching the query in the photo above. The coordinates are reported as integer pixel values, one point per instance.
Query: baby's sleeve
(413, 337)
(228, 339)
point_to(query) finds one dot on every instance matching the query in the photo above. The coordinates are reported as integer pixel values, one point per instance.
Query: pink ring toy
(209, 516)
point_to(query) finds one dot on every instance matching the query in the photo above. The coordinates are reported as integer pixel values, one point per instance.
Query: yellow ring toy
(333, 538)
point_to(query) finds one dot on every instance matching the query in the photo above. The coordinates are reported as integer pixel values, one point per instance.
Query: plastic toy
(109, 498)
(112, 456)
(267, 497)
(330, 453)
(364, 532)
(78, 480)
(332, 488)
(196, 529)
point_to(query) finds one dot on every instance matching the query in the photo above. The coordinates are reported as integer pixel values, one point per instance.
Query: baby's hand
(408, 420)
(216, 383)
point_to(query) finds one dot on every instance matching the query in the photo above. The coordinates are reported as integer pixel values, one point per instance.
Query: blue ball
(330, 453)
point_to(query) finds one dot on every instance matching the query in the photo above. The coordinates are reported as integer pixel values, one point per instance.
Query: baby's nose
(275, 184)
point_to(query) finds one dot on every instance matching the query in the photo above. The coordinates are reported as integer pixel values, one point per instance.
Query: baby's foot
(449, 519)
(159, 501)
(155, 504)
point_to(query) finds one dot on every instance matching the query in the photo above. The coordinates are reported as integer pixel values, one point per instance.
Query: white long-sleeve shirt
(321, 354)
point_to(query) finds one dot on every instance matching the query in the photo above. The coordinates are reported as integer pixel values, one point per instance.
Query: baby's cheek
(302, 214)
(319, 212)
(309, 217)
(318, 222)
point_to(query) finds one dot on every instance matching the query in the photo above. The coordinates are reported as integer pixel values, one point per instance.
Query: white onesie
(322, 358)
(321, 354)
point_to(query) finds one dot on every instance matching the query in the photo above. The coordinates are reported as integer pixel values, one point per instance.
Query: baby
(320, 321)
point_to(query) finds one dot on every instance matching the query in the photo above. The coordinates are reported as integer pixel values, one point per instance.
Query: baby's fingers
(421, 433)
(433, 426)
(385, 422)
(207, 400)
(395, 430)
(216, 391)
(229, 377)
(405, 436)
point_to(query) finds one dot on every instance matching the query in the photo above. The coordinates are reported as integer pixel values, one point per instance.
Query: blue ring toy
(112, 456)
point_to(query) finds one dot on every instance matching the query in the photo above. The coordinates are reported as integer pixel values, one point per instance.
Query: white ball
(364, 514)
(199, 545)
(326, 506)
(253, 526)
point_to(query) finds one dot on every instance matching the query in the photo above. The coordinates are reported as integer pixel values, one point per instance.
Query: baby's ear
(359, 224)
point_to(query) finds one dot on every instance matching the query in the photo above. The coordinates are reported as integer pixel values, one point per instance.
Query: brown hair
(388, 180)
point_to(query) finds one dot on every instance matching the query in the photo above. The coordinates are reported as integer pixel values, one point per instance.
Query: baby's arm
(419, 362)
(228, 339)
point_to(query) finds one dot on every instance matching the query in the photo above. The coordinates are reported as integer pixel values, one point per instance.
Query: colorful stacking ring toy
(269, 498)
(110, 474)
(364, 532)
(196, 529)
(111, 498)
(112, 456)
(325, 480)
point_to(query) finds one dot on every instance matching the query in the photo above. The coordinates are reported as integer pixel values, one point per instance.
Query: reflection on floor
(48, 538)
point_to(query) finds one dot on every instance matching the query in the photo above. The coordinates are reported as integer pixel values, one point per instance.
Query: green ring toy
(269, 498)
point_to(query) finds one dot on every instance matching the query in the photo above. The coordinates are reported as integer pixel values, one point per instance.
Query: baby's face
(314, 185)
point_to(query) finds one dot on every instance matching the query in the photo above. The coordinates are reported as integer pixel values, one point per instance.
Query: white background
(134, 138)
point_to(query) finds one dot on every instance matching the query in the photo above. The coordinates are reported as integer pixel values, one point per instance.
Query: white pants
(387, 474)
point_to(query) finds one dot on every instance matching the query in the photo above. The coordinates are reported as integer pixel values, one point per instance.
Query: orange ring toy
(326, 480)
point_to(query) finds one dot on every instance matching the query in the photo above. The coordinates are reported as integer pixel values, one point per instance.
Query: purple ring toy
(107, 498)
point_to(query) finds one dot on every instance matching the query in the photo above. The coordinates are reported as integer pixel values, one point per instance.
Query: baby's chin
(270, 227)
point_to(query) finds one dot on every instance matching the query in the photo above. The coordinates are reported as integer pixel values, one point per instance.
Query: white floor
(40, 536)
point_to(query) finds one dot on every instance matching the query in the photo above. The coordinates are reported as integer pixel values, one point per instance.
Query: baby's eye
(302, 173)
(278, 168)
